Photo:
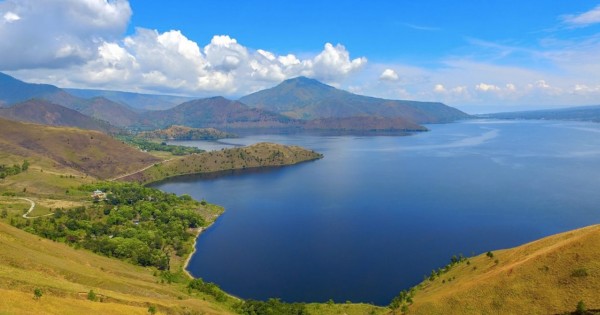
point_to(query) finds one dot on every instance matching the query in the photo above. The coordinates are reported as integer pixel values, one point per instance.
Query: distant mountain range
(46, 113)
(304, 98)
(580, 113)
(299, 103)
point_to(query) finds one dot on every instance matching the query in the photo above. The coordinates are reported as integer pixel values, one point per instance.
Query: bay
(378, 213)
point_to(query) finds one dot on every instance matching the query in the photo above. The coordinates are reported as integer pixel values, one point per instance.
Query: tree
(91, 295)
(37, 293)
(580, 309)
(152, 309)
(490, 254)
(25, 166)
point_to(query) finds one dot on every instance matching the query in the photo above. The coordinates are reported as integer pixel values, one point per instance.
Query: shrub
(579, 273)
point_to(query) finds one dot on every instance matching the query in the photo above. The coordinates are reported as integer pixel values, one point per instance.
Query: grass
(66, 275)
(257, 155)
(548, 276)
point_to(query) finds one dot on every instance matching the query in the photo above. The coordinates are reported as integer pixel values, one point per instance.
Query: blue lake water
(377, 213)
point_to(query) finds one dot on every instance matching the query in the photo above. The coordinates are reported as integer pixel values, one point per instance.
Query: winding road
(140, 170)
(26, 215)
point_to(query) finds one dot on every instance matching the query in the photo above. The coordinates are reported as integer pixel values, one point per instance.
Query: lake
(378, 213)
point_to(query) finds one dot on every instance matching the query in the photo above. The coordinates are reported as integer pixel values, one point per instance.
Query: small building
(98, 195)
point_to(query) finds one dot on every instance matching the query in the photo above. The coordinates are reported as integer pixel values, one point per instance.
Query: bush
(580, 309)
(579, 273)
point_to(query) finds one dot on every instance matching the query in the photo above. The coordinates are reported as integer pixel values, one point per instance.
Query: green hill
(304, 98)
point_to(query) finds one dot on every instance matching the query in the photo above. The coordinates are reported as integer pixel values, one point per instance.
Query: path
(26, 215)
(140, 170)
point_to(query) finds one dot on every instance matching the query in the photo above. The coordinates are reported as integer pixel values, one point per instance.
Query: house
(98, 195)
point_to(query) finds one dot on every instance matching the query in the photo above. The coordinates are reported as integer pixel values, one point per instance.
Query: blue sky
(480, 56)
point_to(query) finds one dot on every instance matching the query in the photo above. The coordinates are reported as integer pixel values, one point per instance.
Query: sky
(479, 56)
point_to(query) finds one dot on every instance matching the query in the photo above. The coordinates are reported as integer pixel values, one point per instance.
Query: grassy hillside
(66, 276)
(548, 276)
(257, 155)
(46, 113)
(88, 152)
(186, 133)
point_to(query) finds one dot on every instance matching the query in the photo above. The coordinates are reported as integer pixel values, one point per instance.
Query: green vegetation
(271, 307)
(186, 133)
(37, 293)
(208, 288)
(147, 145)
(580, 309)
(579, 273)
(141, 225)
(6, 170)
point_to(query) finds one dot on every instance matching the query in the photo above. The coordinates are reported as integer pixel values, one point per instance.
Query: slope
(89, 152)
(217, 112)
(43, 112)
(66, 275)
(548, 276)
(14, 91)
(138, 101)
(305, 98)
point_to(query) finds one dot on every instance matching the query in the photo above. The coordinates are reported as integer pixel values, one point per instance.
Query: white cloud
(63, 32)
(10, 17)
(439, 88)
(333, 63)
(389, 75)
(170, 62)
(584, 19)
(486, 87)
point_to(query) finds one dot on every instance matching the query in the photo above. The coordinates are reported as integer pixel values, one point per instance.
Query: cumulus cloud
(584, 19)
(439, 88)
(389, 75)
(487, 87)
(170, 62)
(57, 33)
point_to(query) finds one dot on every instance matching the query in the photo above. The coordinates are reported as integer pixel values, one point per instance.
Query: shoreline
(189, 257)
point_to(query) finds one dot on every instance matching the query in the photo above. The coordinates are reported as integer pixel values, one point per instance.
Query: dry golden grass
(257, 155)
(535, 278)
(86, 151)
(65, 275)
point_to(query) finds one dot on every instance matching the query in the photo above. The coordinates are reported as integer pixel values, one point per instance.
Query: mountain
(216, 112)
(13, 91)
(581, 113)
(137, 101)
(87, 151)
(46, 113)
(362, 123)
(304, 98)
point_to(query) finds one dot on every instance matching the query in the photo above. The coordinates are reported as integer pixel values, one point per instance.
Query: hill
(548, 276)
(13, 91)
(253, 156)
(186, 133)
(304, 98)
(65, 276)
(46, 113)
(216, 112)
(582, 113)
(138, 101)
(89, 152)
(362, 123)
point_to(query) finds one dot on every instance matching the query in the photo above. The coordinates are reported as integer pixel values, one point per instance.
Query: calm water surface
(377, 213)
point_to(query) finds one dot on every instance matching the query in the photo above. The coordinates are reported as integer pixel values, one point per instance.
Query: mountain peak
(303, 81)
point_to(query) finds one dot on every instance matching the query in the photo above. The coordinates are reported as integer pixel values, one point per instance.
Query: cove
(378, 213)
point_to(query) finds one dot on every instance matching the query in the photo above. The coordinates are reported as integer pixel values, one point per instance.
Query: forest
(135, 223)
